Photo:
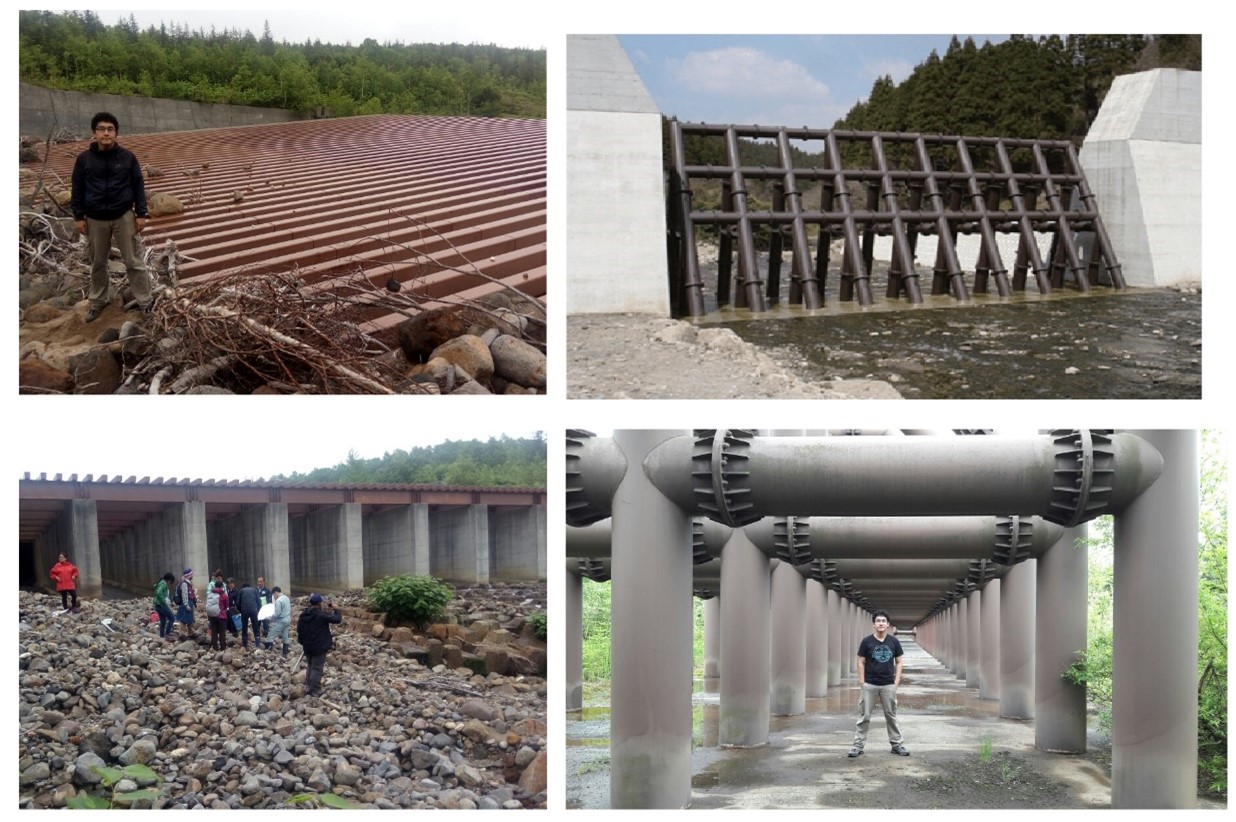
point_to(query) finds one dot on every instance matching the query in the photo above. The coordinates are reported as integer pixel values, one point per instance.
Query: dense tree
(76, 51)
(1044, 88)
(498, 462)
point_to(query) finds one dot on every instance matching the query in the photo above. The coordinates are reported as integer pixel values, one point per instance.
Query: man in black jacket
(250, 602)
(109, 205)
(313, 634)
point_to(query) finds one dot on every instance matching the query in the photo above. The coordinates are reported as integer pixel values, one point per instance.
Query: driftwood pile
(257, 331)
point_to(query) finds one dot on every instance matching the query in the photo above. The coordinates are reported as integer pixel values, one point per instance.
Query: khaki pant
(887, 697)
(100, 236)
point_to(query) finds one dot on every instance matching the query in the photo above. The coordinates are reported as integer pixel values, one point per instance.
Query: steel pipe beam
(736, 478)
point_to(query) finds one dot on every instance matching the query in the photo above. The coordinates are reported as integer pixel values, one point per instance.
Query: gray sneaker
(900, 750)
(855, 752)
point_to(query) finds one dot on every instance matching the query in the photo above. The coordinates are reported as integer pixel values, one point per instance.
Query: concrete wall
(517, 543)
(1143, 159)
(252, 543)
(326, 549)
(75, 533)
(616, 258)
(330, 549)
(43, 110)
(396, 542)
(459, 544)
(170, 541)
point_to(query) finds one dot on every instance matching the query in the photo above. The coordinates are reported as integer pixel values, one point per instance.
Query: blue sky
(774, 79)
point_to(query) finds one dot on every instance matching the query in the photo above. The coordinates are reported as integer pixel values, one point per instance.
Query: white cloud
(747, 74)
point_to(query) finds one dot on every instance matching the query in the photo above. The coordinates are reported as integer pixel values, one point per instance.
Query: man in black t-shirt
(879, 674)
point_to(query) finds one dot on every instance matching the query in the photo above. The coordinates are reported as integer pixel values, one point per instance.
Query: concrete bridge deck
(319, 536)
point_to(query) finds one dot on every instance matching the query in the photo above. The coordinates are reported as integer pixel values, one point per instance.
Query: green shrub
(540, 628)
(111, 777)
(419, 600)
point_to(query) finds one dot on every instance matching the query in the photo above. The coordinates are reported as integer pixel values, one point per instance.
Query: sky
(502, 24)
(263, 440)
(777, 80)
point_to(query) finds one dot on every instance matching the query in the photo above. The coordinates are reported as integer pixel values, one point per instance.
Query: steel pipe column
(817, 640)
(789, 641)
(963, 639)
(745, 634)
(573, 614)
(712, 637)
(836, 637)
(856, 636)
(1154, 675)
(1017, 642)
(1060, 636)
(989, 665)
(650, 736)
(974, 637)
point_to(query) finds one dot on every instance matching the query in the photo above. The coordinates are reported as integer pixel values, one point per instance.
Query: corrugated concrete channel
(422, 200)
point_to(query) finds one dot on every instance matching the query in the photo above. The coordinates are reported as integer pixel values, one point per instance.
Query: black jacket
(249, 601)
(313, 629)
(108, 184)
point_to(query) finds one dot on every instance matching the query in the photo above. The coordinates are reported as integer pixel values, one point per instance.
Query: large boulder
(518, 362)
(470, 354)
(162, 204)
(419, 336)
(96, 372)
(37, 377)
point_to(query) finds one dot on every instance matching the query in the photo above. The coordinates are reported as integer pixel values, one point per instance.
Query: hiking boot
(93, 313)
(900, 750)
(855, 752)
(77, 609)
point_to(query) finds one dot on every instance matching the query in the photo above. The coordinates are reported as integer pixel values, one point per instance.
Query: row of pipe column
(1155, 709)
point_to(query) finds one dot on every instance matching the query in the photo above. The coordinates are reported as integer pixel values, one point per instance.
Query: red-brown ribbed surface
(388, 194)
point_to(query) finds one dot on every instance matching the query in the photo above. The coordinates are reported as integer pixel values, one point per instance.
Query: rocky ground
(640, 356)
(1139, 343)
(234, 729)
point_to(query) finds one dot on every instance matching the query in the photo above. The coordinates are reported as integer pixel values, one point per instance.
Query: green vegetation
(1045, 88)
(112, 777)
(503, 462)
(78, 52)
(540, 625)
(596, 631)
(1049, 88)
(414, 599)
(1094, 665)
(984, 752)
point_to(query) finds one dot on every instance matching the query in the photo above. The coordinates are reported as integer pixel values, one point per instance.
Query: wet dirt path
(804, 765)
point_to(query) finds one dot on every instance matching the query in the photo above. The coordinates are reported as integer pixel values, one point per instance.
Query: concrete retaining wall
(615, 195)
(42, 111)
(1143, 160)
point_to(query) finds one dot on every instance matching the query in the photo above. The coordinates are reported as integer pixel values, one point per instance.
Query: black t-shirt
(881, 666)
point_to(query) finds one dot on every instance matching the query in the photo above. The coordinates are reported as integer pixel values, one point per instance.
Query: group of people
(230, 609)
(237, 610)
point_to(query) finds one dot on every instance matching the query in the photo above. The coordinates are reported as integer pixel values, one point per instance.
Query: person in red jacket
(64, 575)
